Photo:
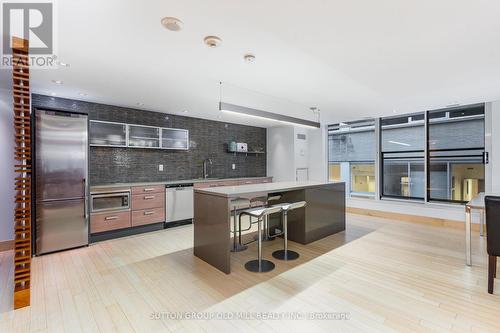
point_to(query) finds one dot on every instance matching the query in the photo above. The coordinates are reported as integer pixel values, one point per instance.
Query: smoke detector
(249, 58)
(212, 41)
(171, 23)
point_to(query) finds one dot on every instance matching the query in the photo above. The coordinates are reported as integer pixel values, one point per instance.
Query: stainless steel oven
(112, 201)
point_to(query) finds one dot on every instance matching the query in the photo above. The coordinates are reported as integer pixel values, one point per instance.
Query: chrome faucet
(205, 169)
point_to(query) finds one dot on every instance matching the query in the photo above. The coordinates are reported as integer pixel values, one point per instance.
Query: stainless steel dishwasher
(179, 205)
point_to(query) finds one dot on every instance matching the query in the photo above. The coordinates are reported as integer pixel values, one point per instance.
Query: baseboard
(7, 245)
(411, 218)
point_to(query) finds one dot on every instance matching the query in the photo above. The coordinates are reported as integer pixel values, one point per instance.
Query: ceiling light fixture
(249, 58)
(212, 41)
(57, 81)
(171, 23)
(249, 112)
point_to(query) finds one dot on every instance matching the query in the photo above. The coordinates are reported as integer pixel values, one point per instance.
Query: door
(60, 225)
(61, 155)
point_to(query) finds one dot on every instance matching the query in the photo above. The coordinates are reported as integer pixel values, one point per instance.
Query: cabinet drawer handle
(148, 197)
(109, 218)
(151, 212)
(149, 189)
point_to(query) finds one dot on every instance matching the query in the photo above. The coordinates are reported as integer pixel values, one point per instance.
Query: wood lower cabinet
(100, 222)
(148, 216)
(148, 204)
(147, 201)
(148, 189)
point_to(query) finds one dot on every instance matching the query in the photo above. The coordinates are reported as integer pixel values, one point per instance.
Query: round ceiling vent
(212, 41)
(171, 23)
(249, 58)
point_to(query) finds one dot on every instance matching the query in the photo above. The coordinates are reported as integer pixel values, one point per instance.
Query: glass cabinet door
(174, 138)
(108, 134)
(143, 136)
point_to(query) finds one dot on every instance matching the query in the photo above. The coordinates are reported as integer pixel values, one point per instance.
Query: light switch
(233, 166)
(160, 167)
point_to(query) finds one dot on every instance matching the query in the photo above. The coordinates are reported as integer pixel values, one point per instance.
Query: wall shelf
(247, 152)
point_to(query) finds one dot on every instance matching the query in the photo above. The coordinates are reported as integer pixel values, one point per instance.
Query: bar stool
(260, 265)
(236, 204)
(287, 254)
(266, 202)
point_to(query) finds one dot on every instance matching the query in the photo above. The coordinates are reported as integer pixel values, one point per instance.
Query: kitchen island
(324, 215)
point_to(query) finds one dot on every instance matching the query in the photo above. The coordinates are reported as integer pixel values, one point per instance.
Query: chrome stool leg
(237, 246)
(285, 254)
(260, 265)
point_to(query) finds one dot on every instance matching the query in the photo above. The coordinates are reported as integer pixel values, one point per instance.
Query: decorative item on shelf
(242, 147)
(232, 146)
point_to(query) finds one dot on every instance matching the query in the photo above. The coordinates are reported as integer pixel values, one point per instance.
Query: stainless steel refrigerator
(61, 180)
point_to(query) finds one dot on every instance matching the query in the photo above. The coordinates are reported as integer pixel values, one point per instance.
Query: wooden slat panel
(22, 154)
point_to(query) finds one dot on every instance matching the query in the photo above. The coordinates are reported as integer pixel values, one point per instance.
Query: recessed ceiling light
(140, 104)
(57, 81)
(82, 94)
(249, 58)
(171, 23)
(185, 111)
(53, 94)
(212, 41)
(63, 64)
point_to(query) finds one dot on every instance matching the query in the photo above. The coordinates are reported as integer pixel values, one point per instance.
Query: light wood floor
(387, 275)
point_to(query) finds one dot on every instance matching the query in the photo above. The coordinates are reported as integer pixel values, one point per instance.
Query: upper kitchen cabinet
(172, 138)
(108, 134)
(143, 136)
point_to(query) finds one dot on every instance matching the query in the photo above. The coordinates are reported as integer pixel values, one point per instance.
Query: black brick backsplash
(208, 139)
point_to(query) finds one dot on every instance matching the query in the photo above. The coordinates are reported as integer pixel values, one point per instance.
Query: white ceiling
(351, 58)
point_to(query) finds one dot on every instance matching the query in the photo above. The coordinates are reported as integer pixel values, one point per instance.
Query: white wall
(286, 153)
(280, 153)
(318, 158)
(6, 166)
(495, 147)
(434, 210)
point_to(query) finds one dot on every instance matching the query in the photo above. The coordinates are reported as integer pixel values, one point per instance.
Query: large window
(403, 150)
(351, 148)
(433, 155)
(456, 150)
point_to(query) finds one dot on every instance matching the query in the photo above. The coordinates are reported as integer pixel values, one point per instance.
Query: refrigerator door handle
(86, 201)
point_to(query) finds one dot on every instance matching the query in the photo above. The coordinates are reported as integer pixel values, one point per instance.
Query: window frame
(430, 150)
(426, 153)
